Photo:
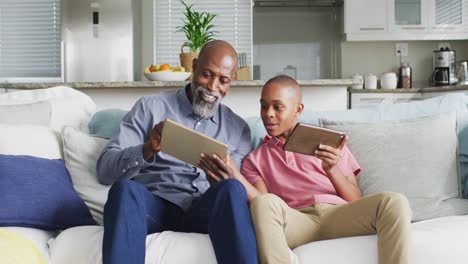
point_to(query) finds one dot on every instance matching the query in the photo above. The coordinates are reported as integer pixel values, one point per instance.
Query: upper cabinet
(406, 19)
(365, 16)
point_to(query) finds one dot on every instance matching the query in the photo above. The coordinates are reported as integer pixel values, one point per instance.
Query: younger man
(310, 198)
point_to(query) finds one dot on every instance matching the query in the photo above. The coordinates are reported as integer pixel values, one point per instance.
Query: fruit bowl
(166, 76)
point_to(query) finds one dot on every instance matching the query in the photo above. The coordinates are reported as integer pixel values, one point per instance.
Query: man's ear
(194, 64)
(299, 109)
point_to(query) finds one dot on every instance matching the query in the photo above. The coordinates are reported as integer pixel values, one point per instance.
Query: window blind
(233, 23)
(30, 39)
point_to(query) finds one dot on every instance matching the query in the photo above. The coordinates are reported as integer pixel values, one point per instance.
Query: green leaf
(197, 27)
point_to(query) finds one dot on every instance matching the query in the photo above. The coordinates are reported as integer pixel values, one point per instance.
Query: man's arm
(123, 157)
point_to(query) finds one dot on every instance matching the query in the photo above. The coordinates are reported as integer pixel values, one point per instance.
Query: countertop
(432, 89)
(158, 84)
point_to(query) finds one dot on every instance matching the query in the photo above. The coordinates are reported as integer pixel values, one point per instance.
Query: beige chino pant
(279, 227)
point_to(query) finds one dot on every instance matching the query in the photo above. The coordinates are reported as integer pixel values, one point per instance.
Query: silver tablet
(186, 144)
(305, 138)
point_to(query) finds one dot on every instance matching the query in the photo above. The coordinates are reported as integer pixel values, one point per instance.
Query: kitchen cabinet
(408, 15)
(360, 100)
(365, 16)
(406, 20)
(448, 16)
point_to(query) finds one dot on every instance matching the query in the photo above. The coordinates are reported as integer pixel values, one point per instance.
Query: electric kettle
(462, 72)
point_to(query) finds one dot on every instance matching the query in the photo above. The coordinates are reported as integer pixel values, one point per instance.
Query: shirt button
(123, 170)
(194, 184)
(136, 162)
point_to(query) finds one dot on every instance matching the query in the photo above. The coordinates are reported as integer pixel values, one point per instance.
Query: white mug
(388, 80)
(370, 81)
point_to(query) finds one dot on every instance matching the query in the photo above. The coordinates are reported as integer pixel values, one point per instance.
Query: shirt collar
(186, 107)
(273, 141)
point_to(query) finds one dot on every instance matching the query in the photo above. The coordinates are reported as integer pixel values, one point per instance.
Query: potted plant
(198, 29)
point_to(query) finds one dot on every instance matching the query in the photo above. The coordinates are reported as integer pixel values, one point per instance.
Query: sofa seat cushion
(434, 241)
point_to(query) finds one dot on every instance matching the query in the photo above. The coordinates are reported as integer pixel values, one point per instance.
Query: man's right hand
(153, 145)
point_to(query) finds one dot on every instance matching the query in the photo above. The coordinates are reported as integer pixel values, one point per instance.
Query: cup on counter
(370, 81)
(358, 81)
(388, 80)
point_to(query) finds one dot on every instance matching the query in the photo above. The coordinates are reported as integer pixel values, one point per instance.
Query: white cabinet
(408, 15)
(364, 16)
(448, 16)
(360, 100)
(405, 20)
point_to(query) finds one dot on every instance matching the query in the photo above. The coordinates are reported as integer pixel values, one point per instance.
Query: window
(233, 23)
(30, 40)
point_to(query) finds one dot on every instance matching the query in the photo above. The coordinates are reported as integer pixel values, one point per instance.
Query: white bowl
(167, 76)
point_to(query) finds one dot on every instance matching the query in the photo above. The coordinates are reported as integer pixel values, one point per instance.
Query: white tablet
(186, 144)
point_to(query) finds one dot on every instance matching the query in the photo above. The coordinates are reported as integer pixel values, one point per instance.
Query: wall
(288, 35)
(379, 56)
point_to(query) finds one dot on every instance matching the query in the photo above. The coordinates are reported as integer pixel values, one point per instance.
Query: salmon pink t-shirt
(296, 178)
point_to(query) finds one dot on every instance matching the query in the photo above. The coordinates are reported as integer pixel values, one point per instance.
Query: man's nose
(213, 84)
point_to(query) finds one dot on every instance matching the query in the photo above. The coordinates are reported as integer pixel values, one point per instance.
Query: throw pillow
(37, 192)
(14, 248)
(81, 152)
(67, 106)
(32, 114)
(105, 123)
(30, 140)
(415, 157)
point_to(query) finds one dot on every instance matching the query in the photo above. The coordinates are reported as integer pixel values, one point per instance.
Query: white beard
(201, 107)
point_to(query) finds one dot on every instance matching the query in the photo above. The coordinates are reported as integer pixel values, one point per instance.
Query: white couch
(438, 240)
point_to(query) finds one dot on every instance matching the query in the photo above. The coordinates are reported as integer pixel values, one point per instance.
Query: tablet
(305, 138)
(186, 144)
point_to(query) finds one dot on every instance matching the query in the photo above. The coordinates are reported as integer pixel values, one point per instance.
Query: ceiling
(296, 3)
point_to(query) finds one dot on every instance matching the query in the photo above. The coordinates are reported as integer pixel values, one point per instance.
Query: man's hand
(153, 145)
(217, 169)
(330, 155)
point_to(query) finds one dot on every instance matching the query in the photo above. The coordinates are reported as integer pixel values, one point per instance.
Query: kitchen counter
(243, 98)
(431, 89)
(157, 84)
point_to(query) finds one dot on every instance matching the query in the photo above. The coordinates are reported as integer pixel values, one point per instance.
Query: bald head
(220, 50)
(288, 86)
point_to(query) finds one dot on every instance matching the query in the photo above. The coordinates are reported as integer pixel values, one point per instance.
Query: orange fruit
(164, 67)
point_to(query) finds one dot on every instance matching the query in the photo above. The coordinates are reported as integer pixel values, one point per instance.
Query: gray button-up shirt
(165, 176)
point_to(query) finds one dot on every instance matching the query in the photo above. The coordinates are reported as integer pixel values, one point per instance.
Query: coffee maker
(444, 67)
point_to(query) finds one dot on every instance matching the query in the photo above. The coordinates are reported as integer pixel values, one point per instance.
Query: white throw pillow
(59, 106)
(32, 114)
(417, 157)
(31, 140)
(81, 152)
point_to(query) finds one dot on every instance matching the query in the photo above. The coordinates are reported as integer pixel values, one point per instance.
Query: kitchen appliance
(462, 70)
(98, 40)
(405, 74)
(444, 67)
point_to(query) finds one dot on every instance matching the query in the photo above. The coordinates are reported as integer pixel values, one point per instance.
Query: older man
(153, 192)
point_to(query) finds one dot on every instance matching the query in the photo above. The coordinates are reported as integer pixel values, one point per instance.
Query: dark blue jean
(132, 212)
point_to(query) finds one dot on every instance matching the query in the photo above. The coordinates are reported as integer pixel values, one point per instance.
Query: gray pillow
(416, 157)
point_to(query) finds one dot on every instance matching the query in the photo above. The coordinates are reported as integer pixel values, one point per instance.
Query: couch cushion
(38, 193)
(30, 140)
(39, 237)
(15, 248)
(54, 107)
(415, 157)
(105, 123)
(81, 152)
